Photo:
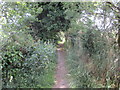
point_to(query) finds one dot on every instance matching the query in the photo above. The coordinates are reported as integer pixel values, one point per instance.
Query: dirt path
(61, 71)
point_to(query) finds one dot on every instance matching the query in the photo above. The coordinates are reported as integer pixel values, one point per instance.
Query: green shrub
(92, 61)
(79, 75)
(34, 69)
(94, 42)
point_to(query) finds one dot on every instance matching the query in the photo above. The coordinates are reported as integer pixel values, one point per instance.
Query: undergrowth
(30, 66)
(92, 61)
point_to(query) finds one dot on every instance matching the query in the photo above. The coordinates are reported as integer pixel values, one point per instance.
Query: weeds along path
(61, 71)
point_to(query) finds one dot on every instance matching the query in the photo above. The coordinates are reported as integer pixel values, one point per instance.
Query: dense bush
(92, 60)
(53, 13)
(30, 67)
(79, 76)
(94, 42)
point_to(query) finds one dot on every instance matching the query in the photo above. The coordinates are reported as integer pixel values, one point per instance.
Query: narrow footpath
(61, 71)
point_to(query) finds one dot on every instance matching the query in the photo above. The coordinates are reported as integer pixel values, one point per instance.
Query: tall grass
(92, 61)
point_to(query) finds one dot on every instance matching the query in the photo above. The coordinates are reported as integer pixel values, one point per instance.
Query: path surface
(61, 71)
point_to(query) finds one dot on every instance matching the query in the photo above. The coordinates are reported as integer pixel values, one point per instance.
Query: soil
(61, 71)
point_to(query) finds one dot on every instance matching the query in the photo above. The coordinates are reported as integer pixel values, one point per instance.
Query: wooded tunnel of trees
(31, 32)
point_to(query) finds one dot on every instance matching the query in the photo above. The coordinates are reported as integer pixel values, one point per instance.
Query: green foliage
(94, 42)
(41, 19)
(50, 21)
(12, 56)
(92, 61)
(42, 55)
(32, 69)
(27, 62)
(78, 75)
